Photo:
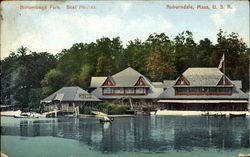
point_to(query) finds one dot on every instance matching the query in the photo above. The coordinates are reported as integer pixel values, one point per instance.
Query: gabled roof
(182, 81)
(237, 83)
(169, 93)
(203, 76)
(140, 82)
(70, 94)
(127, 78)
(158, 84)
(97, 81)
(224, 80)
(109, 82)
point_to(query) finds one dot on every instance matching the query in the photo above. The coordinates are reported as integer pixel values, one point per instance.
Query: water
(138, 136)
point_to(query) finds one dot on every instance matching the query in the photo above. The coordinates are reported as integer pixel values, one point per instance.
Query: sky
(58, 27)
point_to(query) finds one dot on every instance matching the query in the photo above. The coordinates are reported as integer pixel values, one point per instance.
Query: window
(84, 96)
(192, 90)
(107, 90)
(140, 90)
(213, 90)
(203, 90)
(129, 90)
(223, 90)
(119, 90)
(181, 90)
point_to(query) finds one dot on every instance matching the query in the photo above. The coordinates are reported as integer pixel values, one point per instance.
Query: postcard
(125, 78)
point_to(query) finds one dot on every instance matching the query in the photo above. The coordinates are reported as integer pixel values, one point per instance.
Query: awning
(203, 101)
(48, 101)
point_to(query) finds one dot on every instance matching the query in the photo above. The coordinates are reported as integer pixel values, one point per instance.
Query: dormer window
(182, 81)
(108, 82)
(140, 82)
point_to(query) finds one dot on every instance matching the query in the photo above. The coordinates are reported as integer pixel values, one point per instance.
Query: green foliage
(21, 72)
(52, 81)
(112, 108)
(160, 61)
(34, 97)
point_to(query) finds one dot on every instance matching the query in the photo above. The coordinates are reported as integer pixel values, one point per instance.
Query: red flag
(221, 62)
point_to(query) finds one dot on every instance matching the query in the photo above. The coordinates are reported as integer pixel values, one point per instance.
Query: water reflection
(139, 134)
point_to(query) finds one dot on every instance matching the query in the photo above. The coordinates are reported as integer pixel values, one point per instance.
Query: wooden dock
(3, 155)
(51, 113)
(243, 155)
(97, 113)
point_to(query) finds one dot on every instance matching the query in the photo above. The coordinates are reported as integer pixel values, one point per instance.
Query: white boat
(19, 116)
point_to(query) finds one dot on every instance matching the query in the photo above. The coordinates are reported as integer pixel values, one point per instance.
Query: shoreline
(157, 113)
(199, 113)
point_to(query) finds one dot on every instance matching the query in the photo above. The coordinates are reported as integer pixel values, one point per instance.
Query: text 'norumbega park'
(56, 7)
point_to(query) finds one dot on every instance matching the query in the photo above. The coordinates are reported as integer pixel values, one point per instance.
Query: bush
(120, 109)
(112, 108)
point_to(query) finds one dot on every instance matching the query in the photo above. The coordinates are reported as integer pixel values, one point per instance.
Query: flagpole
(224, 62)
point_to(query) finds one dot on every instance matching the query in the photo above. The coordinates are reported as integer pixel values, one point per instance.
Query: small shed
(67, 99)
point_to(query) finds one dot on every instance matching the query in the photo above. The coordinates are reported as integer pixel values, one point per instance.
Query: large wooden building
(126, 87)
(203, 89)
(67, 99)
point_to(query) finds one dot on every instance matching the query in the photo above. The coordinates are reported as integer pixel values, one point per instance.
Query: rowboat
(106, 119)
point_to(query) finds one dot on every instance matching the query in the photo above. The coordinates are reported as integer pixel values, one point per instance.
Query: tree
(236, 56)
(185, 51)
(52, 81)
(160, 60)
(23, 71)
(110, 58)
(136, 55)
(204, 51)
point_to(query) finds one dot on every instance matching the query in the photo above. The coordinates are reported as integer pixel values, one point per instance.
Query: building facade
(203, 89)
(67, 99)
(127, 87)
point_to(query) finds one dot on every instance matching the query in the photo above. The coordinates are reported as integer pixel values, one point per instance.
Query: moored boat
(106, 119)
(237, 115)
(20, 116)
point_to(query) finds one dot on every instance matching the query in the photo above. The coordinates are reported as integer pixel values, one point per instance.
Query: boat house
(126, 87)
(203, 89)
(67, 99)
